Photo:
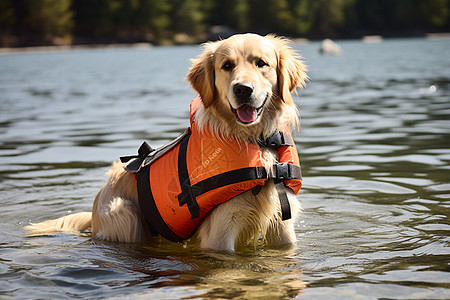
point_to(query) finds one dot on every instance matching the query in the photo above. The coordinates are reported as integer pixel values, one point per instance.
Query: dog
(245, 84)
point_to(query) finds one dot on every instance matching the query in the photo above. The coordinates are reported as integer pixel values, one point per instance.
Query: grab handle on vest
(135, 161)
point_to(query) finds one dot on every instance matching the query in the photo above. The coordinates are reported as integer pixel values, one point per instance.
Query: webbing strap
(284, 201)
(277, 139)
(148, 206)
(188, 192)
(284, 171)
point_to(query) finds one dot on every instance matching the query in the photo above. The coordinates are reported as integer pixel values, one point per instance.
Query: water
(375, 151)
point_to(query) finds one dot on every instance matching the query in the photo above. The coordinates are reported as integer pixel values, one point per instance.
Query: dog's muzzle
(246, 113)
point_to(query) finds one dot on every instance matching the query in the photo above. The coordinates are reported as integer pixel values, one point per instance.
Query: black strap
(230, 177)
(281, 172)
(147, 204)
(157, 224)
(277, 139)
(284, 201)
(188, 193)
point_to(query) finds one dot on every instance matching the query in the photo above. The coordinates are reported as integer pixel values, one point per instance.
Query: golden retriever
(245, 83)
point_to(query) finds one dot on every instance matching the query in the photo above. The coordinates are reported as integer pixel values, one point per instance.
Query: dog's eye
(261, 63)
(227, 66)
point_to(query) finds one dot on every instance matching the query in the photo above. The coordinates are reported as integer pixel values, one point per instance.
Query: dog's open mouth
(247, 114)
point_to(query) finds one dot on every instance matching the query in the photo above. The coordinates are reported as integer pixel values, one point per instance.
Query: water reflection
(180, 271)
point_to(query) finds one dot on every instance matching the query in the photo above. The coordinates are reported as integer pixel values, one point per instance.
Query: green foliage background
(41, 22)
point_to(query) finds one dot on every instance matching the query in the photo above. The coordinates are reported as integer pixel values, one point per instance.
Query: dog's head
(246, 80)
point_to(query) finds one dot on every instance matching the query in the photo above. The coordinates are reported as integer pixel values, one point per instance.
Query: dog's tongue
(246, 113)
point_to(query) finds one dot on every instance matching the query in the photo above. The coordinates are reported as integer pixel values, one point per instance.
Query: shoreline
(145, 46)
(47, 49)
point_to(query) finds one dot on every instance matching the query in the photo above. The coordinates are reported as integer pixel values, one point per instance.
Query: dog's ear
(291, 70)
(201, 74)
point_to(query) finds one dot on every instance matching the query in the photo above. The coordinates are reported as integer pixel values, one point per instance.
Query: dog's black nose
(243, 91)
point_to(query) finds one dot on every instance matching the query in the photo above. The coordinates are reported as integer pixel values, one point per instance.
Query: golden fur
(269, 69)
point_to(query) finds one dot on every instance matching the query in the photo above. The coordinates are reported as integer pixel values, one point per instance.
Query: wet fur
(247, 218)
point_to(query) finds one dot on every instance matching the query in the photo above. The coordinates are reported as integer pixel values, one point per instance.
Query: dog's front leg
(283, 232)
(220, 230)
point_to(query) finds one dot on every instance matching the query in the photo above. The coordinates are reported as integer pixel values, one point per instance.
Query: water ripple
(375, 153)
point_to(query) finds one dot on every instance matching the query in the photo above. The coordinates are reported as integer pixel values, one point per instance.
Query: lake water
(375, 151)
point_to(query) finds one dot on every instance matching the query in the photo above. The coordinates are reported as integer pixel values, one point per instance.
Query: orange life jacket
(180, 183)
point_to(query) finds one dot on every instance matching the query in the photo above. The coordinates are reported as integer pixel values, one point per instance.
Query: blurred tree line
(39, 22)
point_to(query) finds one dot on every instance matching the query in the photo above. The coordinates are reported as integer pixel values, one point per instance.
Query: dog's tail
(74, 223)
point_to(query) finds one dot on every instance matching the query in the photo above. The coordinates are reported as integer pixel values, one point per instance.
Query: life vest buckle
(283, 171)
(277, 139)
